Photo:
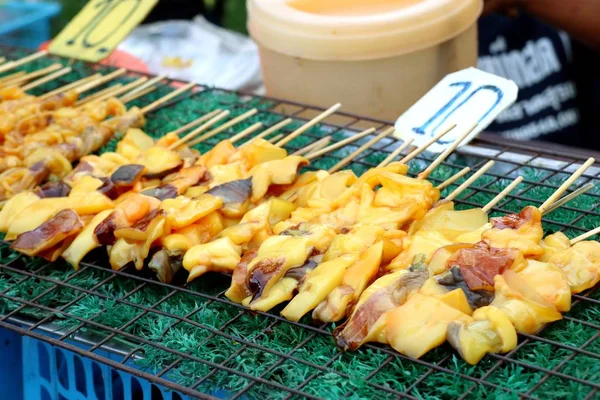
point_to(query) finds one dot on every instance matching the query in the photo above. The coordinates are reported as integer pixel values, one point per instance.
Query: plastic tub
(376, 57)
(26, 24)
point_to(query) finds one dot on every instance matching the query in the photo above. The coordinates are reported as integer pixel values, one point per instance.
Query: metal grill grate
(221, 345)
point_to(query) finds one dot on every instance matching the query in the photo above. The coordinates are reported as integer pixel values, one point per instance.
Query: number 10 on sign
(465, 96)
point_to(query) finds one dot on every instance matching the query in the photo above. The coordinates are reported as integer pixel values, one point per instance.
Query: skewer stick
(569, 197)
(100, 81)
(358, 151)
(446, 153)
(424, 147)
(119, 90)
(339, 144)
(200, 129)
(585, 236)
(11, 77)
(99, 94)
(149, 84)
(470, 181)
(395, 153)
(486, 209)
(46, 79)
(271, 129)
(32, 75)
(164, 99)
(196, 122)
(223, 127)
(453, 178)
(137, 95)
(2, 59)
(308, 125)
(563, 188)
(17, 63)
(248, 131)
(276, 138)
(314, 146)
(70, 86)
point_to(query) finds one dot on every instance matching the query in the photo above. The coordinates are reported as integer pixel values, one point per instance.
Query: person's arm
(579, 18)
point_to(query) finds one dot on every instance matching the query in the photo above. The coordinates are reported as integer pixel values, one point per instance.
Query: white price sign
(464, 96)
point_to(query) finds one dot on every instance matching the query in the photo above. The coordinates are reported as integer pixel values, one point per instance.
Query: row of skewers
(381, 251)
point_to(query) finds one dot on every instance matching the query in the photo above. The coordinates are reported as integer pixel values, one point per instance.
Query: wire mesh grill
(194, 340)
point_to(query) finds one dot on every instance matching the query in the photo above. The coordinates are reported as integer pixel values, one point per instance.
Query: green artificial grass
(116, 301)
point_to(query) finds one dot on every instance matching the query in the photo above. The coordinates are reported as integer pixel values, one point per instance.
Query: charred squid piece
(278, 254)
(132, 209)
(234, 192)
(165, 266)
(162, 192)
(285, 288)
(235, 196)
(84, 242)
(521, 231)
(64, 224)
(491, 332)
(481, 263)
(53, 189)
(134, 242)
(453, 279)
(126, 176)
(239, 289)
(52, 254)
(367, 321)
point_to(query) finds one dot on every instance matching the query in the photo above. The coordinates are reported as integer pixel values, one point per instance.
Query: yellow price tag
(99, 28)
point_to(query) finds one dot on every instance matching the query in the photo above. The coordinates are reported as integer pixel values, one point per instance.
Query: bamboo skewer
(70, 86)
(486, 209)
(17, 63)
(200, 129)
(98, 94)
(100, 81)
(223, 127)
(11, 77)
(425, 145)
(563, 188)
(446, 153)
(196, 122)
(271, 129)
(137, 95)
(46, 79)
(358, 151)
(453, 178)
(16, 81)
(569, 197)
(117, 91)
(308, 125)
(339, 144)
(147, 85)
(248, 131)
(314, 146)
(395, 153)
(164, 99)
(585, 236)
(2, 59)
(470, 181)
(276, 138)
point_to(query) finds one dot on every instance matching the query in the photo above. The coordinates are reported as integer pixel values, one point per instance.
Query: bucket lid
(357, 29)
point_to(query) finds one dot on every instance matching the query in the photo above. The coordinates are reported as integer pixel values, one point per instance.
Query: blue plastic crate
(35, 370)
(25, 24)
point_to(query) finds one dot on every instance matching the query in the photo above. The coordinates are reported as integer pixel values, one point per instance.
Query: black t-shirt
(544, 64)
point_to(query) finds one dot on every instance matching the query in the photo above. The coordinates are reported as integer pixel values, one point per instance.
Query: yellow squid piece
(221, 255)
